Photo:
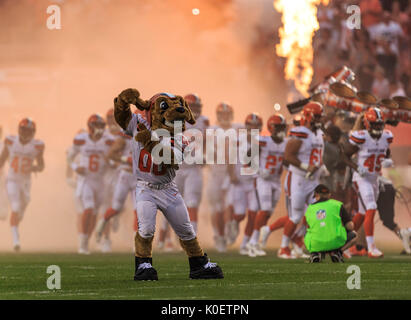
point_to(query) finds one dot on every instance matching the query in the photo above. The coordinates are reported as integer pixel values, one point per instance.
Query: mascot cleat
(202, 268)
(144, 270)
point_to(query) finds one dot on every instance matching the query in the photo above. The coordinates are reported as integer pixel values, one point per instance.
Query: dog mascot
(157, 134)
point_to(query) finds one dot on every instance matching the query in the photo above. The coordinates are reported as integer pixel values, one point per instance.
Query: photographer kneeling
(329, 227)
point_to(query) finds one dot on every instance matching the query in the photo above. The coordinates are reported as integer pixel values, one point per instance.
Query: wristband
(304, 166)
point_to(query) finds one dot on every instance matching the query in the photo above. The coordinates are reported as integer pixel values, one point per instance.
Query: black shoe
(144, 270)
(336, 256)
(202, 268)
(316, 257)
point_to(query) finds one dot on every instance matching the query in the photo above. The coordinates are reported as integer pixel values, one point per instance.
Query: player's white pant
(170, 202)
(18, 192)
(126, 183)
(90, 193)
(301, 195)
(268, 192)
(244, 196)
(190, 183)
(110, 181)
(368, 191)
(216, 190)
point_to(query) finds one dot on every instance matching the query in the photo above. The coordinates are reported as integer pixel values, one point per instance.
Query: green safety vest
(325, 231)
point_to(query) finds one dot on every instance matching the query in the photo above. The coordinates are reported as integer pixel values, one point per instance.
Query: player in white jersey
(303, 153)
(22, 151)
(269, 179)
(111, 176)
(156, 189)
(242, 191)
(92, 148)
(121, 153)
(372, 148)
(189, 177)
(218, 178)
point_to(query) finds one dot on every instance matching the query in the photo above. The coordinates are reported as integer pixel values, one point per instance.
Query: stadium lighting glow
(195, 11)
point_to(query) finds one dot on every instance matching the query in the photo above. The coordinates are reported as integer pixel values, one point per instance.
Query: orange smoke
(299, 18)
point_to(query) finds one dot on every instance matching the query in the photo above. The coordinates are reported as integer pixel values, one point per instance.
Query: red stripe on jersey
(262, 143)
(79, 142)
(299, 134)
(123, 135)
(389, 140)
(8, 142)
(109, 142)
(39, 147)
(356, 140)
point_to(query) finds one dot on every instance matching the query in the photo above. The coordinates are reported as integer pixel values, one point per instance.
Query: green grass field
(110, 276)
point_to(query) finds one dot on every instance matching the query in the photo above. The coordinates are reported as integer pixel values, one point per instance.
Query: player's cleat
(99, 228)
(250, 250)
(202, 268)
(144, 270)
(316, 257)
(16, 248)
(405, 237)
(106, 246)
(220, 244)
(254, 250)
(264, 232)
(373, 252)
(160, 245)
(355, 252)
(298, 252)
(285, 253)
(336, 256)
(243, 251)
(347, 254)
(83, 251)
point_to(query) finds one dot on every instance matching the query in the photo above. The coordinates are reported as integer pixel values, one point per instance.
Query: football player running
(121, 153)
(25, 155)
(111, 176)
(92, 147)
(303, 153)
(269, 179)
(189, 177)
(372, 148)
(242, 186)
(218, 178)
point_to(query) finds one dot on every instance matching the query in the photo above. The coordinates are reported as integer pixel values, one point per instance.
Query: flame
(299, 18)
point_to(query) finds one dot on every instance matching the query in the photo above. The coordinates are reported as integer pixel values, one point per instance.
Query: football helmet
(312, 114)
(277, 125)
(96, 125)
(374, 122)
(195, 104)
(27, 129)
(254, 121)
(225, 114)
